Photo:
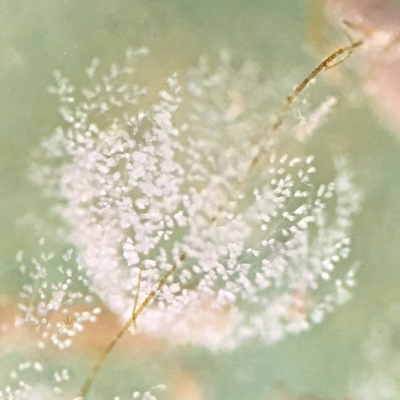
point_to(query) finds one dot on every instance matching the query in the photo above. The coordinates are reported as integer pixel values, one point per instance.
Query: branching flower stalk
(328, 62)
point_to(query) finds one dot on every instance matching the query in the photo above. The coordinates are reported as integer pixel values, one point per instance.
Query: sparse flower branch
(50, 294)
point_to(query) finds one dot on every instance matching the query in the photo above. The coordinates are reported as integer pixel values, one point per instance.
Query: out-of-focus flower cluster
(26, 382)
(140, 184)
(50, 294)
(379, 378)
(147, 395)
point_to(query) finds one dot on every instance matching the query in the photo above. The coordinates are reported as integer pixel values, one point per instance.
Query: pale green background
(37, 37)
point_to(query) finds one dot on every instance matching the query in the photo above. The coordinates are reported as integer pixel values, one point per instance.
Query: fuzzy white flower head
(139, 186)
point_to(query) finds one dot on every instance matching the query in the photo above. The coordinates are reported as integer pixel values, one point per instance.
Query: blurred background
(287, 39)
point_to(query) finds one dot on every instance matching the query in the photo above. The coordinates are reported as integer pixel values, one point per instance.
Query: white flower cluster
(141, 185)
(55, 300)
(25, 382)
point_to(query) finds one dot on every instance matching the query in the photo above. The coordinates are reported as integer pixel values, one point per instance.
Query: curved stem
(327, 63)
(98, 365)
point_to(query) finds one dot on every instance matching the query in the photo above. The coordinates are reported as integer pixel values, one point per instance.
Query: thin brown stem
(96, 368)
(136, 297)
(327, 63)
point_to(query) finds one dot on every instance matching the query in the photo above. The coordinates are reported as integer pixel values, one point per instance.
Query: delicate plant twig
(136, 297)
(96, 368)
(327, 63)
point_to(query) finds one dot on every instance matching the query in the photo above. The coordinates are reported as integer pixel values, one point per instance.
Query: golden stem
(136, 297)
(96, 368)
(326, 63)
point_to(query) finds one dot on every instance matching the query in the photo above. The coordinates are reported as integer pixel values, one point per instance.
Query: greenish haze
(40, 36)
